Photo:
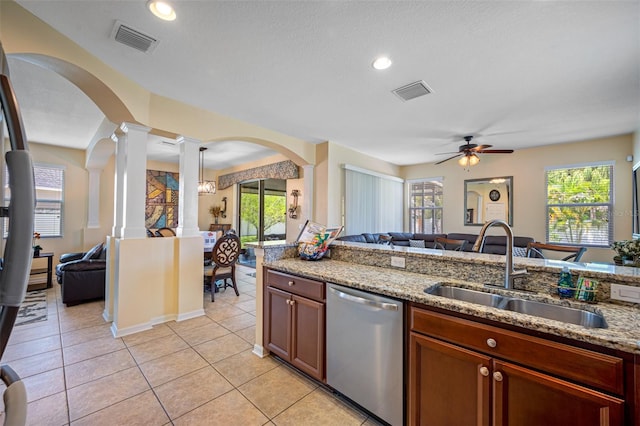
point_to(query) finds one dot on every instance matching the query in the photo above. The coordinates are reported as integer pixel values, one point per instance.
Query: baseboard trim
(106, 316)
(189, 315)
(260, 351)
(129, 330)
(162, 319)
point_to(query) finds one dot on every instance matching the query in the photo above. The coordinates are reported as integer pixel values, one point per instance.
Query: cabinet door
(524, 397)
(277, 322)
(308, 336)
(448, 385)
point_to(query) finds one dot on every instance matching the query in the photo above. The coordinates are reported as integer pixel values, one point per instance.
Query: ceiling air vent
(412, 90)
(133, 38)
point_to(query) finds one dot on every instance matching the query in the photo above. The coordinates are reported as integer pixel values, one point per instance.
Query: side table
(224, 227)
(38, 271)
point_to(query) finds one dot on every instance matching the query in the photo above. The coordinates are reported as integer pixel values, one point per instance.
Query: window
(425, 206)
(373, 201)
(579, 205)
(49, 181)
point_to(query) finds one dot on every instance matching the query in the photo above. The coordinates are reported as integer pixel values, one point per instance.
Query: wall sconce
(223, 211)
(293, 208)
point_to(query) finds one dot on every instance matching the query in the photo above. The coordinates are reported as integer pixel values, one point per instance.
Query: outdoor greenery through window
(263, 206)
(580, 205)
(49, 181)
(425, 206)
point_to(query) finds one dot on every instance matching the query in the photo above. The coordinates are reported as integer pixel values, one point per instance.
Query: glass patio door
(262, 212)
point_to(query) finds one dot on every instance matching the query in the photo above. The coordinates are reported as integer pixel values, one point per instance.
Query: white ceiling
(515, 74)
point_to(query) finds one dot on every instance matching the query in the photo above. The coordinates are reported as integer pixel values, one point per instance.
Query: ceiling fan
(469, 152)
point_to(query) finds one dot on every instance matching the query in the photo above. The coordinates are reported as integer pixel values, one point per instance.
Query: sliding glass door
(263, 208)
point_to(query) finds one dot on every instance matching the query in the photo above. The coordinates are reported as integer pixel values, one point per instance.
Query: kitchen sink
(530, 307)
(556, 312)
(467, 295)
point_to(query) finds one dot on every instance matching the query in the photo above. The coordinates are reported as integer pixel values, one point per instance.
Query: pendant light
(205, 187)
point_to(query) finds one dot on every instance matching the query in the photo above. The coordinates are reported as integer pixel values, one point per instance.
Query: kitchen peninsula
(610, 356)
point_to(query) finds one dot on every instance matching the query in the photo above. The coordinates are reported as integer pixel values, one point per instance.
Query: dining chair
(224, 255)
(575, 252)
(449, 244)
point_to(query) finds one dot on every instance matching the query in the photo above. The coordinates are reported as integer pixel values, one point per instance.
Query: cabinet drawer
(296, 285)
(604, 372)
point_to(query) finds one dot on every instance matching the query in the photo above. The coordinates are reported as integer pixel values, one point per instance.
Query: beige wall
(76, 235)
(527, 168)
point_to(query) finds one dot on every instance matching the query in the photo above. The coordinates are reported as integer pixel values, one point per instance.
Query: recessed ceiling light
(382, 63)
(162, 10)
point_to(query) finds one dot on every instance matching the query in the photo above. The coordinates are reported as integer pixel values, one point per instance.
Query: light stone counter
(623, 332)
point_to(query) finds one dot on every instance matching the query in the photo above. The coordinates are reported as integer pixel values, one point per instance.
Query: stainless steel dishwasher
(365, 350)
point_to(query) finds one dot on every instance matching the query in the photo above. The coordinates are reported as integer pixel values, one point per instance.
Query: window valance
(282, 170)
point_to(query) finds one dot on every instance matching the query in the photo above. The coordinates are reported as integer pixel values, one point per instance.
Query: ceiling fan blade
(450, 158)
(480, 148)
(496, 151)
(445, 153)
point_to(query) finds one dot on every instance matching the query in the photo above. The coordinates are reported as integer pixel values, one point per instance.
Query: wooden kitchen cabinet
(294, 321)
(464, 373)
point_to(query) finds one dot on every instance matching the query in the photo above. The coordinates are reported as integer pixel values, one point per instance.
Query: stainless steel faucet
(509, 273)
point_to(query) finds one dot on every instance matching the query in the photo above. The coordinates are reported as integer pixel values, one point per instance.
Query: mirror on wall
(487, 199)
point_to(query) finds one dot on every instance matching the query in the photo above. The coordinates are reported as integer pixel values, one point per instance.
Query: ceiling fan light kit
(469, 152)
(469, 160)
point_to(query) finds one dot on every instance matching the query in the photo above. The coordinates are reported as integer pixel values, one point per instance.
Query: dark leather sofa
(82, 275)
(493, 244)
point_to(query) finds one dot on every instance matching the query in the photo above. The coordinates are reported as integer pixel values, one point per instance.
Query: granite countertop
(622, 333)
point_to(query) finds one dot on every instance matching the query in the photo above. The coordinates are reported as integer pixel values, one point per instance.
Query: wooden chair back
(226, 251)
(449, 244)
(224, 255)
(535, 249)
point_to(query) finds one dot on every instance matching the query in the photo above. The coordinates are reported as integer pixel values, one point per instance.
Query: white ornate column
(134, 142)
(307, 207)
(188, 198)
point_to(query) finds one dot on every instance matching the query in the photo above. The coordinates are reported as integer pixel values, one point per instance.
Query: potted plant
(215, 212)
(36, 246)
(628, 252)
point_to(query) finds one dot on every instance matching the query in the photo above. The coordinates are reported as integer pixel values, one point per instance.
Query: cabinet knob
(492, 343)
(497, 376)
(484, 371)
(290, 283)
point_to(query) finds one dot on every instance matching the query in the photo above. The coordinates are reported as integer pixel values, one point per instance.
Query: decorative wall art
(162, 199)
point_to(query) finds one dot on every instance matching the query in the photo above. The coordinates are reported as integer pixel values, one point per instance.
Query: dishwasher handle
(363, 301)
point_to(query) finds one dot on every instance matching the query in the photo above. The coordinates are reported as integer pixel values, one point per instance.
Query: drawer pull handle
(484, 371)
(492, 343)
(291, 283)
(497, 376)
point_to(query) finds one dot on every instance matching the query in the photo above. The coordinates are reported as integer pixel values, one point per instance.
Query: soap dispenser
(566, 288)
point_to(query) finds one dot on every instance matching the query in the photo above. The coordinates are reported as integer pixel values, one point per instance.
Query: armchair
(82, 275)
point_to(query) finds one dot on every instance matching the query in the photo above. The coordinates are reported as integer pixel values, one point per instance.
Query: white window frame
(433, 209)
(54, 231)
(609, 205)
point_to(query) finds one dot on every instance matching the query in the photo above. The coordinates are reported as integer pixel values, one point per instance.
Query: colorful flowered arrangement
(36, 237)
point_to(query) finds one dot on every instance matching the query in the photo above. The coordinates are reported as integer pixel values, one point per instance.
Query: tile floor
(196, 372)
